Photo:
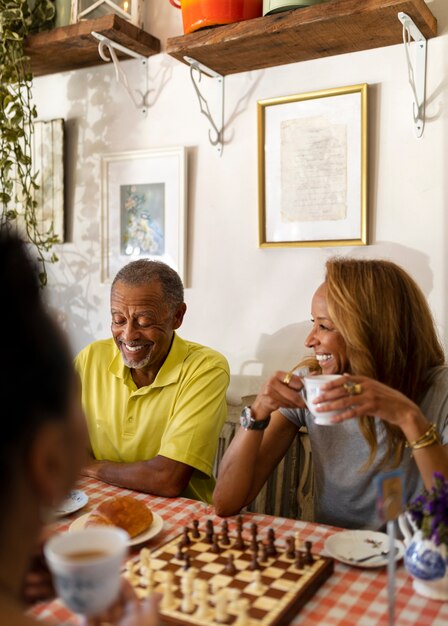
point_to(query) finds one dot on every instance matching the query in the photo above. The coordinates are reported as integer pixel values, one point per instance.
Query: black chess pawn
(225, 540)
(215, 547)
(290, 547)
(209, 531)
(186, 541)
(254, 530)
(230, 568)
(195, 534)
(271, 549)
(308, 556)
(239, 541)
(179, 553)
(254, 564)
(187, 562)
(299, 562)
(264, 554)
(254, 545)
(239, 522)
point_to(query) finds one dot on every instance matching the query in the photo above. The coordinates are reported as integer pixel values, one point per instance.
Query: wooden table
(351, 596)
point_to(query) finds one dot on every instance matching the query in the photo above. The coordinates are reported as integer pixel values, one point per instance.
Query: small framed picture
(313, 168)
(144, 208)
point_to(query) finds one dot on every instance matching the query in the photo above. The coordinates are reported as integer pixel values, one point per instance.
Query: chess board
(284, 588)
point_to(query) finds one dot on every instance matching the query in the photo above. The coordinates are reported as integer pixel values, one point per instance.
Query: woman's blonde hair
(390, 335)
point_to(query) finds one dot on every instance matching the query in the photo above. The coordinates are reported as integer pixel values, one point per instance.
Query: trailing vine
(17, 182)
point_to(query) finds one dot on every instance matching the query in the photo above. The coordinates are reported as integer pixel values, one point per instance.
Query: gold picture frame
(312, 162)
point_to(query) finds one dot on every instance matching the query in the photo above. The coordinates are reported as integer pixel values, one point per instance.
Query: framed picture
(313, 168)
(143, 208)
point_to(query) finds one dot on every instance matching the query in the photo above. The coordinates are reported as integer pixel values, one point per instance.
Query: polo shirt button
(130, 419)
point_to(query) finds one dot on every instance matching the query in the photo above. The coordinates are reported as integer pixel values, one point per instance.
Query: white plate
(153, 530)
(75, 500)
(357, 544)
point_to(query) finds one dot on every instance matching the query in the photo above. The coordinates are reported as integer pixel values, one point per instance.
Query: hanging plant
(18, 185)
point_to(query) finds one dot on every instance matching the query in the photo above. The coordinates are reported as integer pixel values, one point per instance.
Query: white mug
(86, 567)
(312, 388)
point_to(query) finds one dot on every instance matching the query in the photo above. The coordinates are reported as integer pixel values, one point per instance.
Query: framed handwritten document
(312, 160)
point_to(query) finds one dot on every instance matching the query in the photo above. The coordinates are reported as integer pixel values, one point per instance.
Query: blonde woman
(371, 323)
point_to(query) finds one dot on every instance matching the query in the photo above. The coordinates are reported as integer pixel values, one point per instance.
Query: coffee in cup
(86, 567)
(313, 388)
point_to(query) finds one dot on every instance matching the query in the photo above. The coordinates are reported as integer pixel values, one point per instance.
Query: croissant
(123, 511)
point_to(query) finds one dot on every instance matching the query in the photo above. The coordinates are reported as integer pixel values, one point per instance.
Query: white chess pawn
(187, 604)
(233, 595)
(221, 614)
(298, 542)
(203, 610)
(256, 585)
(168, 601)
(243, 608)
(145, 560)
(148, 581)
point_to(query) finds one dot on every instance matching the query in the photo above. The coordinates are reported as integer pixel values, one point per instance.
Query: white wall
(252, 304)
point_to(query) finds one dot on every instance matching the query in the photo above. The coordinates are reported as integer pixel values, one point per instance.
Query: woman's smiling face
(326, 341)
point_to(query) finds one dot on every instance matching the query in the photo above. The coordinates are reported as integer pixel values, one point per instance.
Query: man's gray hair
(145, 271)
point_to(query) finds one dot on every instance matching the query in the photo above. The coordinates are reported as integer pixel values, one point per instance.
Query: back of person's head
(385, 321)
(36, 375)
(146, 271)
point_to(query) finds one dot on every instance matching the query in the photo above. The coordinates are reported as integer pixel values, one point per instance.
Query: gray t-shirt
(344, 495)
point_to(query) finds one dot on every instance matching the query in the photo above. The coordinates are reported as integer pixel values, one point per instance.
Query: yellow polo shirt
(179, 416)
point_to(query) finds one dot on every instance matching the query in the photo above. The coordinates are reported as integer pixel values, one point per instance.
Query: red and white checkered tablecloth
(350, 597)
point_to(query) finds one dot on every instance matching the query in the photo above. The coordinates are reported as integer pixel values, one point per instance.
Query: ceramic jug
(425, 561)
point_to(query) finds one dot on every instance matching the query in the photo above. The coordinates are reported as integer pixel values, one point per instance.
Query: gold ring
(353, 389)
(287, 378)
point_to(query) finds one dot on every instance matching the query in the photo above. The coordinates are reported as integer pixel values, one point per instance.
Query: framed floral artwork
(143, 208)
(312, 161)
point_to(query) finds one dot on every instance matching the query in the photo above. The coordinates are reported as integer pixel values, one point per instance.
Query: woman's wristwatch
(250, 423)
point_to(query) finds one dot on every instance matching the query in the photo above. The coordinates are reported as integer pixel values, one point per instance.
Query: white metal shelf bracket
(215, 133)
(417, 73)
(106, 50)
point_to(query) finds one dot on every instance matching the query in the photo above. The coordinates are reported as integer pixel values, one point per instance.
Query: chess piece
(308, 556)
(168, 601)
(187, 564)
(299, 562)
(254, 530)
(185, 541)
(239, 541)
(239, 523)
(149, 581)
(203, 610)
(225, 541)
(230, 568)
(290, 547)
(187, 604)
(179, 554)
(195, 534)
(256, 585)
(298, 541)
(271, 549)
(243, 606)
(209, 531)
(221, 614)
(254, 544)
(145, 560)
(254, 563)
(215, 547)
(264, 554)
(233, 595)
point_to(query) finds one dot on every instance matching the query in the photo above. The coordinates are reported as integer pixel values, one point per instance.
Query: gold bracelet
(428, 438)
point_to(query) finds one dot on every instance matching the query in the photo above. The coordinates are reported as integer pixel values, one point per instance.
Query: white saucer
(357, 544)
(75, 500)
(153, 530)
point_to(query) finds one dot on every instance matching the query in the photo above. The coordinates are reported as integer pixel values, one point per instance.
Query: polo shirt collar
(168, 374)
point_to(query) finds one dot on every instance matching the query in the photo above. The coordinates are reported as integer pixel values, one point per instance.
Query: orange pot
(203, 13)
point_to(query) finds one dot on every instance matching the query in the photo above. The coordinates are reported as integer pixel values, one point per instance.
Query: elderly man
(155, 403)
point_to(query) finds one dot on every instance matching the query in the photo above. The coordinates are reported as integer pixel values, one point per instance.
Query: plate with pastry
(74, 501)
(126, 512)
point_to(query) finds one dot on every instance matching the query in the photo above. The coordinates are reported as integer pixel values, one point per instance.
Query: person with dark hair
(155, 403)
(371, 323)
(43, 442)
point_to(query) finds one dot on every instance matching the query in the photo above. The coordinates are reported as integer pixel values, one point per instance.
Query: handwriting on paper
(313, 170)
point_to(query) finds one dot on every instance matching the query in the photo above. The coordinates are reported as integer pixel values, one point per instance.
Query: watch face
(246, 418)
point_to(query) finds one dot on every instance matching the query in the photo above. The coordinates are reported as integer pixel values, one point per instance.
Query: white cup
(86, 567)
(312, 388)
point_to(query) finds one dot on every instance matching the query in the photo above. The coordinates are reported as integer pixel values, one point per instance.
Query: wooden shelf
(332, 28)
(73, 47)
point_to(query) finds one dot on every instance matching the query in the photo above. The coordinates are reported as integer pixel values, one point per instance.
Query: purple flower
(429, 511)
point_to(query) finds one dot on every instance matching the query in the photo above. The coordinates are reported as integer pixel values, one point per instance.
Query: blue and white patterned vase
(425, 561)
